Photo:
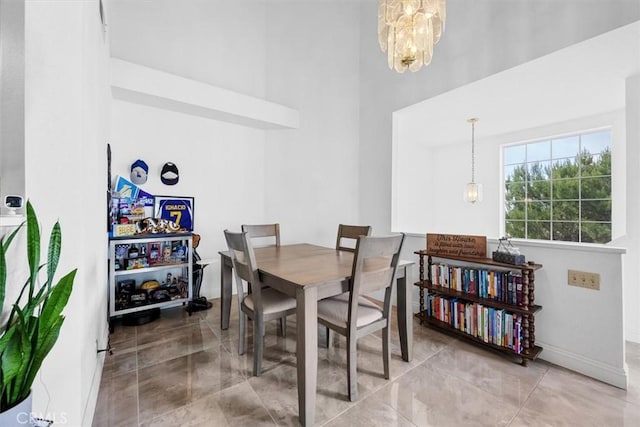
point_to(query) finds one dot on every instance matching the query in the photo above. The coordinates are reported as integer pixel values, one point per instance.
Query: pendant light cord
(473, 150)
(473, 191)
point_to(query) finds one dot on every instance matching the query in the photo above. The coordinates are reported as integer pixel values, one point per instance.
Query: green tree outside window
(559, 198)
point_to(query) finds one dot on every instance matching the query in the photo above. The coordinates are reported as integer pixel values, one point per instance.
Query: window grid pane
(559, 189)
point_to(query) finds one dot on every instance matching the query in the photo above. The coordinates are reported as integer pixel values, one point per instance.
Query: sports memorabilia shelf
(148, 272)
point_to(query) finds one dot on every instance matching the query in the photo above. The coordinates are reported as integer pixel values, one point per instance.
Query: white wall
(509, 37)
(437, 206)
(66, 100)
(219, 42)
(580, 329)
(311, 173)
(221, 165)
(632, 238)
(567, 328)
(441, 209)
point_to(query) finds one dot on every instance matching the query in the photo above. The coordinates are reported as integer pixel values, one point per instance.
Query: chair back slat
(350, 233)
(245, 266)
(375, 280)
(262, 231)
(374, 269)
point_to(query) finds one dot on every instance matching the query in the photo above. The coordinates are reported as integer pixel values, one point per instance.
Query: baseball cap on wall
(169, 174)
(139, 171)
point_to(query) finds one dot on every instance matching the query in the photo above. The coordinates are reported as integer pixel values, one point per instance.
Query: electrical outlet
(584, 279)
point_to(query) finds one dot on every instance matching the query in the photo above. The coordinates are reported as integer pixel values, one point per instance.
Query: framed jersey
(175, 209)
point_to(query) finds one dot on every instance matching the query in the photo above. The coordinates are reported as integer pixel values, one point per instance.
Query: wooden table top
(304, 264)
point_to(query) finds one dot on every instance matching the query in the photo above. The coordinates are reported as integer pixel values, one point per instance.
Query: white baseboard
(632, 335)
(92, 399)
(613, 375)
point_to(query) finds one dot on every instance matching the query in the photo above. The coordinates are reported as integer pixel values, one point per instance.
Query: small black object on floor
(198, 304)
(141, 317)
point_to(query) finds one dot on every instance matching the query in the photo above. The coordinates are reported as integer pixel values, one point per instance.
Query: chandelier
(473, 190)
(408, 29)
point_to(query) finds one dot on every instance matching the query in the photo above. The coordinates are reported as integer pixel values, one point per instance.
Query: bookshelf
(483, 301)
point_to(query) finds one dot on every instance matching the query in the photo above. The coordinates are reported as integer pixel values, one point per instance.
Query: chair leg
(283, 326)
(352, 359)
(241, 333)
(386, 355)
(329, 335)
(258, 345)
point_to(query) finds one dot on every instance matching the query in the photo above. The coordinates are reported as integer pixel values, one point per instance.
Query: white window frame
(549, 137)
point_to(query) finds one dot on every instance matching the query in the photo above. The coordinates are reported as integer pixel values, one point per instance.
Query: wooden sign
(457, 245)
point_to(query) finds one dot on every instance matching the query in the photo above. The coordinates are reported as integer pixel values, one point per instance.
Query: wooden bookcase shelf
(473, 298)
(462, 308)
(532, 354)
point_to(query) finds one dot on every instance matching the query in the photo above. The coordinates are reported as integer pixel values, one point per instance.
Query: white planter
(19, 415)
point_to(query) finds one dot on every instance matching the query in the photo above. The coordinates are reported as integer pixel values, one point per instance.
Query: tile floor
(186, 371)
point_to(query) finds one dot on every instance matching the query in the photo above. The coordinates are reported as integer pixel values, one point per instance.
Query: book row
(503, 286)
(491, 325)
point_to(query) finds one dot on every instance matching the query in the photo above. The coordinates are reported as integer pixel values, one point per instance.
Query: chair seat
(336, 310)
(272, 301)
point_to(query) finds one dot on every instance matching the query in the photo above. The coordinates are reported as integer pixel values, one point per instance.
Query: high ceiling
(579, 81)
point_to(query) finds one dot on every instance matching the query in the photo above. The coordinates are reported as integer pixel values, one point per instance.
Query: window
(560, 188)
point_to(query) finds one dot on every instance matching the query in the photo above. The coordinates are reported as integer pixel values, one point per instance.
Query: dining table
(309, 273)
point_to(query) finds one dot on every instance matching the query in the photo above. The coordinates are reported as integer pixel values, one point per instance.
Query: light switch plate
(584, 279)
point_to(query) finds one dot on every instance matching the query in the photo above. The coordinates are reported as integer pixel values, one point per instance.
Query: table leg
(307, 352)
(225, 291)
(405, 313)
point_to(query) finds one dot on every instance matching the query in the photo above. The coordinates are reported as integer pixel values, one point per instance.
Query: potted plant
(30, 326)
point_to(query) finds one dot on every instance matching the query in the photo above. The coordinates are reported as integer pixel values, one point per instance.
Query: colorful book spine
(518, 282)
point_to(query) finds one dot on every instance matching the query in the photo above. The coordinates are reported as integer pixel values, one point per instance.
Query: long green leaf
(4, 246)
(16, 352)
(31, 303)
(4, 340)
(27, 351)
(45, 344)
(11, 236)
(53, 254)
(56, 302)
(11, 359)
(33, 247)
(3, 277)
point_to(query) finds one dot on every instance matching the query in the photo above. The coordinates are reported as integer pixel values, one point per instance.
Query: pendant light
(473, 190)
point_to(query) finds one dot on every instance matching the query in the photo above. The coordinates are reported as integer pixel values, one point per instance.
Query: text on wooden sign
(457, 245)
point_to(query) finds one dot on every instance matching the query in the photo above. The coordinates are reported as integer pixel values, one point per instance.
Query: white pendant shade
(473, 192)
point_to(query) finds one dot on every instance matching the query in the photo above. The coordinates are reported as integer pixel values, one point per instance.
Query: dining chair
(354, 316)
(351, 234)
(262, 234)
(262, 304)
(261, 231)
